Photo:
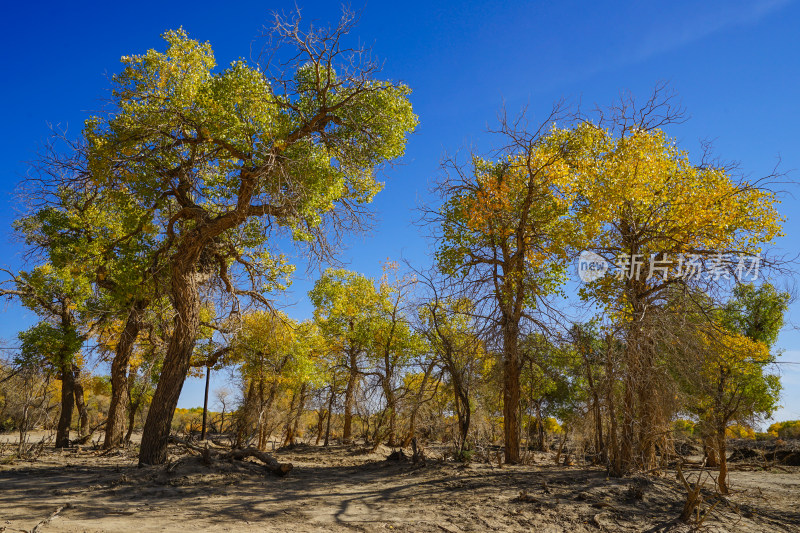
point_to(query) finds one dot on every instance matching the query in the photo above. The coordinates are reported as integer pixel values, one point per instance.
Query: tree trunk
(301, 405)
(600, 446)
(540, 444)
(205, 404)
(628, 430)
(80, 402)
(511, 393)
(598, 420)
(186, 302)
(647, 412)
(23, 428)
(561, 447)
(289, 438)
(133, 408)
(464, 420)
(243, 416)
(629, 414)
(722, 480)
(412, 425)
(320, 423)
(390, 407)
(330, 414)
(615, 462)
(349, 398)
(463, 409)
(264, 429)
(632, 369)
(710, 449)
(67, 403)
(115, 425)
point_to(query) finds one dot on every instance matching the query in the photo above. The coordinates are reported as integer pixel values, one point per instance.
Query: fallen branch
(219, 443)
(47, 520)
(185, 443)
(280, 469)
(749, 467)
(209, 455)
(83, 440)
(687, 462)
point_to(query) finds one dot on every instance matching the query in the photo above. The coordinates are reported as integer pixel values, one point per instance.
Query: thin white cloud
(666, 36)
(695, 28)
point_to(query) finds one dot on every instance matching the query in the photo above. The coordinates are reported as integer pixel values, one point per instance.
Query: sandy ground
(351, 489)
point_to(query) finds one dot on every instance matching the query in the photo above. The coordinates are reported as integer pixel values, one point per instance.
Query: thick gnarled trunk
(632, 400)
(245, 422)
(186, 302)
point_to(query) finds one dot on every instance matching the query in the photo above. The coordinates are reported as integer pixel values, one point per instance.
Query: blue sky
(735, 65)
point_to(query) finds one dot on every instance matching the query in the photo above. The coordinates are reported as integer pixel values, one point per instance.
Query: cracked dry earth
(347, 489)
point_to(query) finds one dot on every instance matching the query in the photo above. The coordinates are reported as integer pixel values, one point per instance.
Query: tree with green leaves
(731, 382)
(104, 232)
(306, 375)
(395, 342)
(59, 297)
(224, 161)
(346, 311)
(588, 350)
(266, 351)
(27, 397)
(552, 384)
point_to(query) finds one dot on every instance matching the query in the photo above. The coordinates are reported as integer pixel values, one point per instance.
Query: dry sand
(351, 489)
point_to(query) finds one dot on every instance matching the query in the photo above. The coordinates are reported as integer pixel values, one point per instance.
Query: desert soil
(354, 489)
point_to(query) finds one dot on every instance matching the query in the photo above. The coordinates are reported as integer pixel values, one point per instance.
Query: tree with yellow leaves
(505, 230)
(273, 356)
(453, 336)
(667, 223)
(394, 342)
(346, 306)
